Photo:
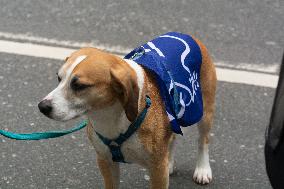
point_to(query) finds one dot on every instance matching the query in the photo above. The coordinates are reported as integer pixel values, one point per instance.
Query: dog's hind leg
(203, 173)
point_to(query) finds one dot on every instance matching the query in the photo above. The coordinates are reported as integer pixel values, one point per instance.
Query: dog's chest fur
(110, 122)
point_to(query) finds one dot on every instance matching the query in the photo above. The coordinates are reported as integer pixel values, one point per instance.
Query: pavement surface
(235, 32)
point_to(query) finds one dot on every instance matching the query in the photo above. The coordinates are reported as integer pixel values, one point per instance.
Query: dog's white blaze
(69, 71)
(78, 60)
(140, 75)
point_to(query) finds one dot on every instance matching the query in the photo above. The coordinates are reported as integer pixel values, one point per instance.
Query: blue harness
(114, 145)
(175, 59)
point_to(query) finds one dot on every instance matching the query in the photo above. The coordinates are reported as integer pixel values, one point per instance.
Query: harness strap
(114, 145)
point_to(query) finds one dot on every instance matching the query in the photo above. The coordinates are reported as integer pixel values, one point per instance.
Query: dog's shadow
(182, 179)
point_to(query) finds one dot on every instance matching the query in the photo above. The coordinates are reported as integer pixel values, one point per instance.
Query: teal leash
(42, 135)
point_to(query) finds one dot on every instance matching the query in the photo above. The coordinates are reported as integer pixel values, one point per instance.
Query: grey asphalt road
(249, 31)
(235, 31)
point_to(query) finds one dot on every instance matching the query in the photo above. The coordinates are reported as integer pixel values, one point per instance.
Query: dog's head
(89, 80)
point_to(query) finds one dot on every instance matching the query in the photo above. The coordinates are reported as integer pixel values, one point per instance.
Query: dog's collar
(114, 145)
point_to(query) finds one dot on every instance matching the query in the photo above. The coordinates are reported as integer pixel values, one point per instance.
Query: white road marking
(29, 49)
(261, 67)
(246, 77)
(223, 74)
(56, 42)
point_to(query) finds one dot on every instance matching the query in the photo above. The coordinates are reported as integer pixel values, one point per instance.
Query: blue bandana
(175, 60)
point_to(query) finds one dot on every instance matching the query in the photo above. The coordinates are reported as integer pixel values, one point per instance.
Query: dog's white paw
(171, 167)
(202, 175)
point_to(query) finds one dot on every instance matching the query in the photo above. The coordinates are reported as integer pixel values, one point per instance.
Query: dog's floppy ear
(124, 82)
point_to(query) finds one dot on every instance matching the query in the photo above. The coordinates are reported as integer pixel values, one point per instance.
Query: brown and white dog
(110, 91)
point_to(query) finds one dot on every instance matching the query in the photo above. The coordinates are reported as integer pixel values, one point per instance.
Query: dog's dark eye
(79, 86)
(76, 86)
(58, 78)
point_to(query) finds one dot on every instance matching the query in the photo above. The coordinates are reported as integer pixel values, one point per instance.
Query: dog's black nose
(45, 107)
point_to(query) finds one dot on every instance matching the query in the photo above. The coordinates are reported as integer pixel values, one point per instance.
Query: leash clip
(139, 52)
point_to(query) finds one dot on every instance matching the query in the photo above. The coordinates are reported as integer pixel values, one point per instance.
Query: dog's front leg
(160, 174)
(110, 172)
